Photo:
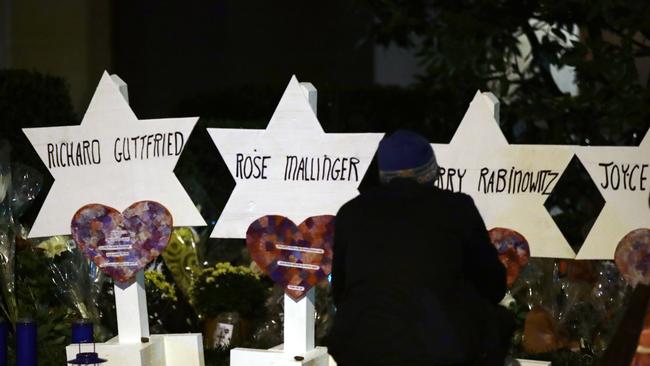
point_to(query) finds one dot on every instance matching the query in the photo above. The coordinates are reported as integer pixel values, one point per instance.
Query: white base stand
(277, 357)
(161, 350)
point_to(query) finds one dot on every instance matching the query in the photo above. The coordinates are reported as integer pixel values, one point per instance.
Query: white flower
(54, 246)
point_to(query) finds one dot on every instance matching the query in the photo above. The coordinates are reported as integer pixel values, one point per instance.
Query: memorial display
(290, 172)
(509, 183)
(292, 168)
(111, 142)
(115, 160)
(290, 180)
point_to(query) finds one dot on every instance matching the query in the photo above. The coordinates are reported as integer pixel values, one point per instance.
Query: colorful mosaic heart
(297, 258)
(121, 244)
(513, 251)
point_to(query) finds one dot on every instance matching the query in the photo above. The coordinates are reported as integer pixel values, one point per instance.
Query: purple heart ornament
(121, 244)
(296, 257)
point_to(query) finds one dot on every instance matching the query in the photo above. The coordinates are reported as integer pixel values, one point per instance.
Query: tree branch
(627, 37)
(538, 59)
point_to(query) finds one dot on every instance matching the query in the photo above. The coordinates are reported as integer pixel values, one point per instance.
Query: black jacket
(414, 278)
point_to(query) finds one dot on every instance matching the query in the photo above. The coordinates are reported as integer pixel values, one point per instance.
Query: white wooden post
(312, 95)
(131, 307)
(299, 316)
(130, 298)
(299, 324)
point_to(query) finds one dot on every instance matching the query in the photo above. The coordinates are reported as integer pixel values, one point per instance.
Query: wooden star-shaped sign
(292, 168)
(114, 159)
(622, 175)
(509, 183)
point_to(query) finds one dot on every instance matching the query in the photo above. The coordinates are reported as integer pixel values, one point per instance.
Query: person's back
(413, 279)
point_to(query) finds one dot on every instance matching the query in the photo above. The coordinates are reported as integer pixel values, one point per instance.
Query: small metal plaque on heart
(296, 257)
(121, 244)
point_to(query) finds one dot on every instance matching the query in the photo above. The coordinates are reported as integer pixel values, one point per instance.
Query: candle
(3, 342)
(82, 331)
(26, 343)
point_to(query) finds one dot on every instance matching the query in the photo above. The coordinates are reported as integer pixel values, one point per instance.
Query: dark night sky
(170, 52)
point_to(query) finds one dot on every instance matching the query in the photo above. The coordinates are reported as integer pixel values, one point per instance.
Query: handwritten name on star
(297, 168)
(68, 154)
(623, 176)
(513, 180)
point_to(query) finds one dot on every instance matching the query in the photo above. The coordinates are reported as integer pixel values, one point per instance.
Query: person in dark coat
(415, 279)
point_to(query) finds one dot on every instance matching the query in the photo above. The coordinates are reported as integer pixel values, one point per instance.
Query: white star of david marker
(622, 175)
(292, 168)
(509, 183)
(114, 159)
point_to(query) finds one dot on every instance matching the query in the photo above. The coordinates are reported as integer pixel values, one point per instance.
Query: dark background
(229, 44)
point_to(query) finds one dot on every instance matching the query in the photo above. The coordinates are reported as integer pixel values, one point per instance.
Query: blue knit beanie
(406, 154)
